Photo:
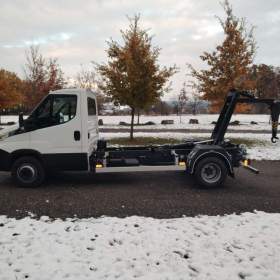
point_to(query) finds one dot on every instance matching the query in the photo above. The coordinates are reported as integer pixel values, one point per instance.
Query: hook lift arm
(274, 106)
(275, 110)
(233, 98)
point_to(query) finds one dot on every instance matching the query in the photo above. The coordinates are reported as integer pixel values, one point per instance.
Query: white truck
(62, 134)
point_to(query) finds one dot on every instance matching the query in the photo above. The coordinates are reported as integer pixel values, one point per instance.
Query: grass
(124, 141)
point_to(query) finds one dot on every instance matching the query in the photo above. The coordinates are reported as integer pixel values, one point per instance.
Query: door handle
(77, 135)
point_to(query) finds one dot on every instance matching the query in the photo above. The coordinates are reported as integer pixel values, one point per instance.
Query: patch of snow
(202, 118)
(264, 152)
(245, 246)
(162, 135)
(5, 119)
(205, 121)
(185, 136)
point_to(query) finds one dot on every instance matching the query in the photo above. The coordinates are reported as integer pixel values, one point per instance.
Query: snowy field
(245, 246)
(204, 121)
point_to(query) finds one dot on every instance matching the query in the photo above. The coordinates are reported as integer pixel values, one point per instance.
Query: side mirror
(20, 120)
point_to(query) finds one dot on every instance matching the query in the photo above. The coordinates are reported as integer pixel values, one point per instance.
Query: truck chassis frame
(216, 154)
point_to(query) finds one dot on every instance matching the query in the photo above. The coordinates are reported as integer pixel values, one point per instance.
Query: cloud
(59, 37)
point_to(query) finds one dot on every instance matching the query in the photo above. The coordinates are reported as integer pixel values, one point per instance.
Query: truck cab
(60, 134)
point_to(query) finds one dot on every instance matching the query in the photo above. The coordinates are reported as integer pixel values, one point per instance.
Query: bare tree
(41, 75)
(35, 75)
(195, 101)
(87, 78)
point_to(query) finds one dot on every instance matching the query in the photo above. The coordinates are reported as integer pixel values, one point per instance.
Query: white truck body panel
(59, 138)
(58, 141)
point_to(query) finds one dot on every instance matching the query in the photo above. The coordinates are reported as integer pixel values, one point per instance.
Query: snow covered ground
(262, 150)
(5, 119)
(245, 246)
(205, 121)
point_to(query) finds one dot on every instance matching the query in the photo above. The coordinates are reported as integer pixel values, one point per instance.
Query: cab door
(56, 132)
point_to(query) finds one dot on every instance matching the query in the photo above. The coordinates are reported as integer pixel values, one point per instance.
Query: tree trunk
(180, 114)
(194, 110)
(132, 123)
(138, 116)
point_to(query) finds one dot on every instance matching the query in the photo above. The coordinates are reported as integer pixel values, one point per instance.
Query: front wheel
(28, 172)
(210, 172)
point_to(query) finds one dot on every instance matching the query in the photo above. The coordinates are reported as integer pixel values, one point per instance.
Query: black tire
(28, 172)
(210, 172)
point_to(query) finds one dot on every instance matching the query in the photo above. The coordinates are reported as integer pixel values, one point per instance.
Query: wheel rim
(26, 173)
(211, 172)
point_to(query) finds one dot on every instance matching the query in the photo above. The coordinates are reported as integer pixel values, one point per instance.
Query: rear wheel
(28, 172)
(210, 172)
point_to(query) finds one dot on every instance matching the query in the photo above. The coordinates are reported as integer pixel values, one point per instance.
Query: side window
(54, 110)
(91, 106)
(64, 108)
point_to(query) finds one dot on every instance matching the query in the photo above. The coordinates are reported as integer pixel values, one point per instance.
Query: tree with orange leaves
(133, 75)
(229, 66)
(10, 89)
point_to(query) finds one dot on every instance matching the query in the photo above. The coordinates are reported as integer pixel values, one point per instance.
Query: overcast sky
(76, 31)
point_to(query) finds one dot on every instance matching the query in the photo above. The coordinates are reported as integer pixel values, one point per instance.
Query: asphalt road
(154, 194)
